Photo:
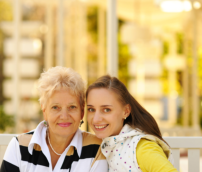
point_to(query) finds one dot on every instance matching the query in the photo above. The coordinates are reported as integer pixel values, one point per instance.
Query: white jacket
(120, 150)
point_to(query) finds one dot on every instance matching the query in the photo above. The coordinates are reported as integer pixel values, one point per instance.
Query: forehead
(63, 95)
(102, 96)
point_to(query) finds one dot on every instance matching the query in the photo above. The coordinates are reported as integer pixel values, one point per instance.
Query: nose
(97, 117)
(64, 114)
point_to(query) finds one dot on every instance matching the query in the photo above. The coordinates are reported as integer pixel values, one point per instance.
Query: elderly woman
(57, 144)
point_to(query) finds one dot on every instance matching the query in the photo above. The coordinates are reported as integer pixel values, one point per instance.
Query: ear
(127, 110)
(44, 114)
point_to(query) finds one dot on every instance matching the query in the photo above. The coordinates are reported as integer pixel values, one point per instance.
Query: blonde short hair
(60, 77)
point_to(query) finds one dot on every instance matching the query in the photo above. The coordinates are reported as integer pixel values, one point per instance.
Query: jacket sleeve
(11, 160)
(156, 160)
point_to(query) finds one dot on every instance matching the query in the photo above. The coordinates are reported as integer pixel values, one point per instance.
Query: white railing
(180, 131)
(193, 144)
(4, 140)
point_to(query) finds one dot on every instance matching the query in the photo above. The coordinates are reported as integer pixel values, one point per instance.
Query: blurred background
(153, 46)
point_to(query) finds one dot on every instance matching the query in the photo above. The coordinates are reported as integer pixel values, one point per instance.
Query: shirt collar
(126, 132)
(77, 142)
(39, 137)
(39, 134)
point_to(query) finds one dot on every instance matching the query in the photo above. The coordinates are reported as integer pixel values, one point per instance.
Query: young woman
(132, 141)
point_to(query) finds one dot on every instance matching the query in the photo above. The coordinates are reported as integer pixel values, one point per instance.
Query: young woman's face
(63, 113)
(105, 113)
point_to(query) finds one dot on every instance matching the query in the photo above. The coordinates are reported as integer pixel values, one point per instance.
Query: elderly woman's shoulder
(90, 139)
(24, 139)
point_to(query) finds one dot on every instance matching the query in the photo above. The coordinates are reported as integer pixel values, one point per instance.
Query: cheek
(77, 117)
(118, 117)
(90, 117)
(48, 117)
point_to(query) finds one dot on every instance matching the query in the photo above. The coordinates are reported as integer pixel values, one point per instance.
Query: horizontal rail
(184, 142)
(174, 142)
(6, 138)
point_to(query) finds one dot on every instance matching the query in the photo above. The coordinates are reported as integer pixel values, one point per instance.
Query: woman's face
(63, 113)
(105, 113)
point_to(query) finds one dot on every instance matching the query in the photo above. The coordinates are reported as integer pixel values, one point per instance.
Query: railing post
(176, 156)
(193, 160)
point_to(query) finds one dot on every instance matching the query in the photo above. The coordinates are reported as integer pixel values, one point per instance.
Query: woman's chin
(101, 135)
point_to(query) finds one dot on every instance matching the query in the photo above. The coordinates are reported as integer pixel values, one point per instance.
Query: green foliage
(5, 119)
(164, 78)
(200, 70)
(92, 16)
(5, 15)
(92, 13)
(124, 57)
(179, 39)
(200, 83)
(165, 48)
(164, 82)
(123, 51)
(165, 74)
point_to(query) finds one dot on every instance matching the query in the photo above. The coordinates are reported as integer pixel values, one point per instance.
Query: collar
(39, 138)
(77, 141)
(126, 132)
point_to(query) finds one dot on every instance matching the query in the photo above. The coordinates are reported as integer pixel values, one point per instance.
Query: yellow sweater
(151, 158)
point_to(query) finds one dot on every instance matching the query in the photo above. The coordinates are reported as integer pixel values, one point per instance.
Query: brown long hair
(139, 117)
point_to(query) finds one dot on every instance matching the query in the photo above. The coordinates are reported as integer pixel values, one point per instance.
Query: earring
(46, 123)
(125, 118)
(81, 122)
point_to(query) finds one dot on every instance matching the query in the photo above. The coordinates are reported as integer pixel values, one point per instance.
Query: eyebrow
(101, 106)
(72, 103)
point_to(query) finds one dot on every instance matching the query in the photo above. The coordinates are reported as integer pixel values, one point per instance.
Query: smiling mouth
(64, 124)
(100, 126)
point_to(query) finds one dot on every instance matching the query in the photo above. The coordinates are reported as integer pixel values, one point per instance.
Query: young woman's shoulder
(89, 138)
(157, 160)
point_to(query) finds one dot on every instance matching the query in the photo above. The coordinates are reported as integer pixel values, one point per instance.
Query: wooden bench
(193, 144)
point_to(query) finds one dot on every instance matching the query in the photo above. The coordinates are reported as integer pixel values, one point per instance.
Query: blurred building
(162, 38)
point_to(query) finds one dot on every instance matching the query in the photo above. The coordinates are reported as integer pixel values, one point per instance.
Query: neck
(56, 143)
